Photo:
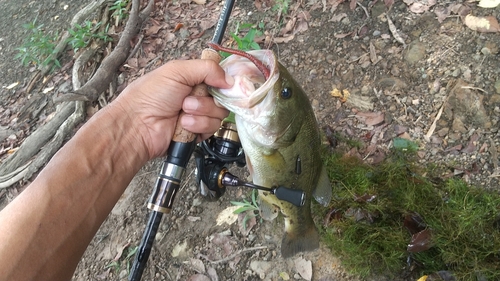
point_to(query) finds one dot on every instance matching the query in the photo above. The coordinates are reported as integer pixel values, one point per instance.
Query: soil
(434, 71)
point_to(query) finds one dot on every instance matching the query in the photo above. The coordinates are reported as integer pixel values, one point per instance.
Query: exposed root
(71, 113)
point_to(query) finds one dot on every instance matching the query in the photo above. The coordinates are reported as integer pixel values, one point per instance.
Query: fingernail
(229, 80)
(191, 103)
(187, 120)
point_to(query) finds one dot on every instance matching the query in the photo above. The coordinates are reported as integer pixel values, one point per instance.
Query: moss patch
(376, 210)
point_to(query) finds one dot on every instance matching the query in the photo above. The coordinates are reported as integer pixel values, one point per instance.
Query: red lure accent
(265, 71)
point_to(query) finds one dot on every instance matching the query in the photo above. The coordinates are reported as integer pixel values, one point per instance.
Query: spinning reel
(214, 155)
(212, 158)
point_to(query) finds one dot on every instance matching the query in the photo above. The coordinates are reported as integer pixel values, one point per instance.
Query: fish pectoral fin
(268, 211)
(323, 191)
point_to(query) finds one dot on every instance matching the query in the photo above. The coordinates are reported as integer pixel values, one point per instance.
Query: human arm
(46, 229)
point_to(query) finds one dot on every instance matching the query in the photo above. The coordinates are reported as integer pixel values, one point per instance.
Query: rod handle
(181, 134)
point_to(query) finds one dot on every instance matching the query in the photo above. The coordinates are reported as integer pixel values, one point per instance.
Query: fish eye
(286, 93)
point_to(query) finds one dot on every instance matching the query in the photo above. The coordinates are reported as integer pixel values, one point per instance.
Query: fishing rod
(211, 157)
(179, 152)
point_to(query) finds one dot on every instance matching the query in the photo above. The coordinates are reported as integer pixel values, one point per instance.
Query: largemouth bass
(280, 136)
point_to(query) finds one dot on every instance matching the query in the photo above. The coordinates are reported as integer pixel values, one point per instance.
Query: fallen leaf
(246, 222)
(371, 118)
(200, 2)
(303, 267)
(373, 54)
(212, 274)
(338, 17)
(420, 241)
(179, 249)
(343, 96)
(488, 3)
(342, 35)
(197, 265)
(352, 4)
(414, 223)
(482, 24)
(471, 146)
(153, 29)
(442, 13)
(198, 277)
(227, 216)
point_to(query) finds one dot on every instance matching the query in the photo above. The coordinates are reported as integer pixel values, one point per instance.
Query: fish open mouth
(250, 87)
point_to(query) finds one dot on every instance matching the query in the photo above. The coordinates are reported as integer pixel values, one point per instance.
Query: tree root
(70, 113)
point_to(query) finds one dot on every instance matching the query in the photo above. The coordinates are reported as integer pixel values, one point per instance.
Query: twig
(364, 9)
(474, 88)
(427, 136)
(232, 256)
(136, 47)
(394, 31)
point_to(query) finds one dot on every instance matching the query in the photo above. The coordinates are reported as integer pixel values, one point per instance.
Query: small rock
(260, 268)
(443, 132)
(458, 126)
(497, 86)
(415, 53)
(123, 274)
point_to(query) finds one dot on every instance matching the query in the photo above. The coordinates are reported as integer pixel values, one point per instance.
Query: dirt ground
(436, 82)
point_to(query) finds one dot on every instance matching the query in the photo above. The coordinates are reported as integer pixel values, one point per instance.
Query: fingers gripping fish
(280, 136)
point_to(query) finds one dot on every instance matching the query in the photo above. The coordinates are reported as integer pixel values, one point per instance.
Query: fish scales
(281, 140)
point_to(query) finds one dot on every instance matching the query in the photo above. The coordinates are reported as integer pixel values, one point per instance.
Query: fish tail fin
(299, 241)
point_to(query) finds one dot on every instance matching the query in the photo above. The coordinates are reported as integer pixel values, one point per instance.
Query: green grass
(38, 46)
(250, 208)
(370, 237)
(82, 35)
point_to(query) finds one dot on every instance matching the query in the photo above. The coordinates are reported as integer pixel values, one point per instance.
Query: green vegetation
(81, 35)
(119, 9)
(38, 47)
(376, 210)
(117, 265)
(250, 208)
(281, 6)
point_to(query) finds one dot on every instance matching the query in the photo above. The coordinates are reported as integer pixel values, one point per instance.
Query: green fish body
(280, 136)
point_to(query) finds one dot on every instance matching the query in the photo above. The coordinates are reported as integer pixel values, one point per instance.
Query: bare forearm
(59, 213)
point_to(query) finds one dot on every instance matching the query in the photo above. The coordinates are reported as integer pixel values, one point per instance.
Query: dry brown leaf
(199, 277)
(352, 4)
(286, 39)
(371, 118)
(343, 35)
(200, 2)
(442, 13)
(482, 24)
(373, 54)
(338, 17)
(153, 29)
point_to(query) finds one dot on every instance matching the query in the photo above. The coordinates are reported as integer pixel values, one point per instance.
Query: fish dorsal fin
(323, 191)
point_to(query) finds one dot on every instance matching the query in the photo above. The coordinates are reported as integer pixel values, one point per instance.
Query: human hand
(153, 102)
